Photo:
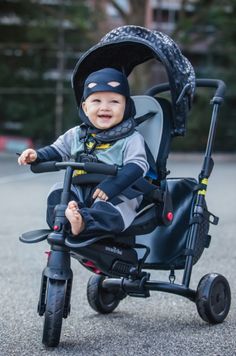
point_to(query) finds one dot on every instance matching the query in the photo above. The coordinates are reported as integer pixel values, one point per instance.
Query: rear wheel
(213, 298)
(54, 310)
(100, 299)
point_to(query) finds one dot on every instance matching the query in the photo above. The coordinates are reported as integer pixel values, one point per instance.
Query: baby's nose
(104, 106)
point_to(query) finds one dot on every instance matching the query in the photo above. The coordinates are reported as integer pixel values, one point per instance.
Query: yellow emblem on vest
(101, 146)
(78, 172)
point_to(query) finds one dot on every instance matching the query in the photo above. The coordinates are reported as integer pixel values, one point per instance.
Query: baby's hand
(27, 156)
(100, 194)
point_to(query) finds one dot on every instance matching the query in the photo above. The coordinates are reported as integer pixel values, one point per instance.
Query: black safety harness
(92, 139)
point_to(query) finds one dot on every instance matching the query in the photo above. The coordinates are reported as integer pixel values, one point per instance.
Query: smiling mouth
(104, 116)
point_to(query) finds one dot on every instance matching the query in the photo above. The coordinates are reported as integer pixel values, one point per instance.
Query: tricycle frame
(134, 281)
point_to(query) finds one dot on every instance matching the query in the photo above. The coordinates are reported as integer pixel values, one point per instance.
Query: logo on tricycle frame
(114, 250)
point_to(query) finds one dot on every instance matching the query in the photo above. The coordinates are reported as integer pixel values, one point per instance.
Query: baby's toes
(72, 205)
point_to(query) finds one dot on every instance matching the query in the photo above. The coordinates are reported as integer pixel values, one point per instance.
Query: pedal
(34, 236)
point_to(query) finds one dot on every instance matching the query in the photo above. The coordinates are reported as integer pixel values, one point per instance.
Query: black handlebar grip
(218, 84)
(90, 167)
(44, 167)
(102, 168)
(220, 91)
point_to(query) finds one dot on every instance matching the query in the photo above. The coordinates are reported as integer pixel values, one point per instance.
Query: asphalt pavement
(162, 325)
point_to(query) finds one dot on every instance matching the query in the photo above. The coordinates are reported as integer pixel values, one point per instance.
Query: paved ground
(160, 325)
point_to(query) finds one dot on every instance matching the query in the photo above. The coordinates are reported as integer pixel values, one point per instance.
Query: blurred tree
(40, 42)
(111, 13)
(134, 13)
(208, 39)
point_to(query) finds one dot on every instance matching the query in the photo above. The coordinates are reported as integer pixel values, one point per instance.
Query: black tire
(213, 298)
(99, 298)
(54, 309)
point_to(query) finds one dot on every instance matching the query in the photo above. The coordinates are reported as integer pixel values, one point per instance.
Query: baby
(106, 135)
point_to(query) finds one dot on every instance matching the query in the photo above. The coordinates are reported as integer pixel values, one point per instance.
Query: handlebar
(213, 83)
(89, 167)
(204, 83)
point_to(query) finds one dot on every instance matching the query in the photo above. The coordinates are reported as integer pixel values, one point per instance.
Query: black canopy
(128, 46)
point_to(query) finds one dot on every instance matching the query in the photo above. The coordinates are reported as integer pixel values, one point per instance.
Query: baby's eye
(115, 101)
(96, 101)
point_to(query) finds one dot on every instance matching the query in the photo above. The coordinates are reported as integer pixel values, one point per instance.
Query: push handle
(204, 83)
(90, 167)
(214, 83)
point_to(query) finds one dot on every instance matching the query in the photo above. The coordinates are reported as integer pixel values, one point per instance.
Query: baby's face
(104, 109)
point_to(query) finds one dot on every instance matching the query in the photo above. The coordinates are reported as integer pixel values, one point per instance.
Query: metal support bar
(207, 161)
(67, 185)
(172, 288)
(129, 285)
(207, 167)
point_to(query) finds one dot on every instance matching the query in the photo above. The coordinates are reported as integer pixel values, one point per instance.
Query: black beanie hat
(101, 80)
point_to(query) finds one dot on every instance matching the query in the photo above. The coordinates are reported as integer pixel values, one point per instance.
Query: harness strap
(122, 130)
(140, 119)
(92, 139)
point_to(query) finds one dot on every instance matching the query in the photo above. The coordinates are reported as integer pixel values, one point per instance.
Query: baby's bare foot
(73, 215)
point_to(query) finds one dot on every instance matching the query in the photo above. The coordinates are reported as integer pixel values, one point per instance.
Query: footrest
(34, 236)
(84, 242)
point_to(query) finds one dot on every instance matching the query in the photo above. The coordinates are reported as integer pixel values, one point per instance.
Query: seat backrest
(152, 128)
(157, 129)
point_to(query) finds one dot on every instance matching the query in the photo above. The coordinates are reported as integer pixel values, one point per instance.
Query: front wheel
(54, 310)
(100, 299)
(213, 298)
